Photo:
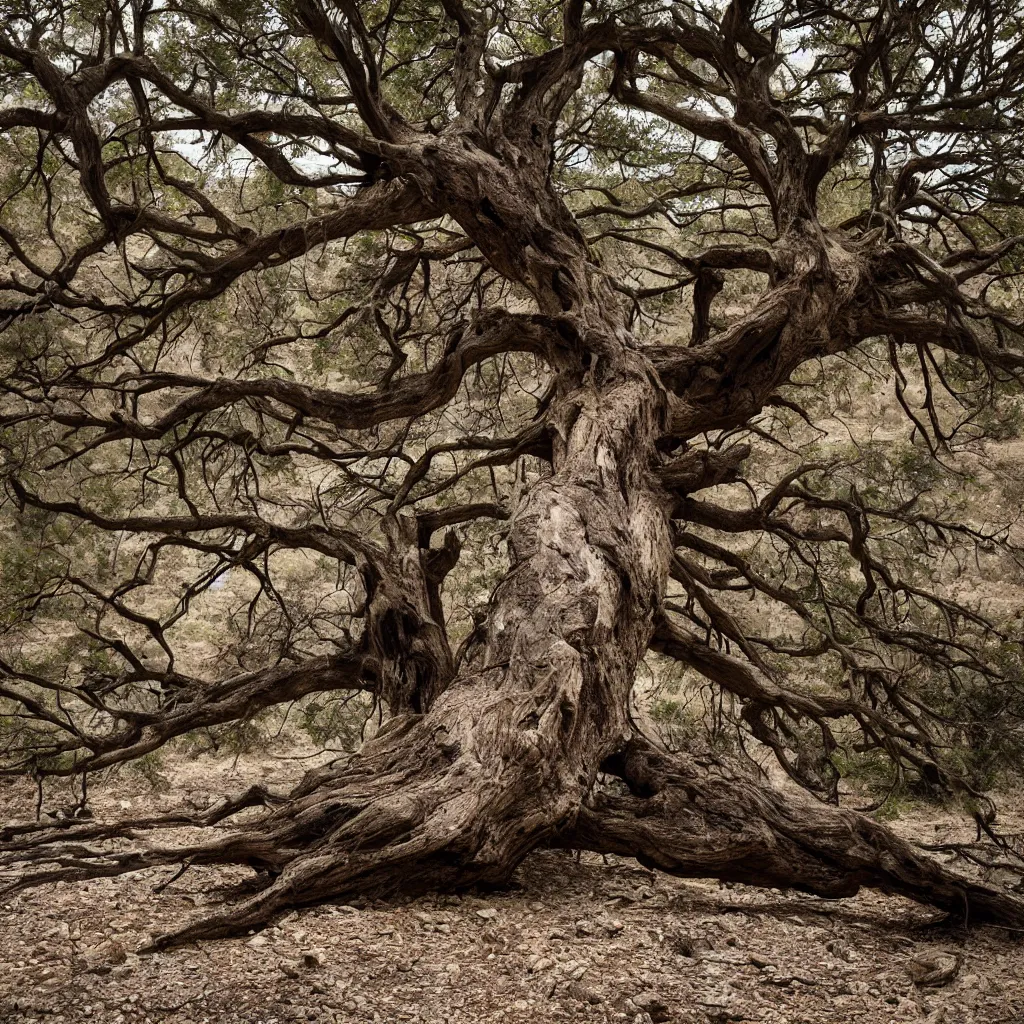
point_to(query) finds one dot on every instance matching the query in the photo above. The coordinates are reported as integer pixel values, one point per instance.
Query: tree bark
(699, 817)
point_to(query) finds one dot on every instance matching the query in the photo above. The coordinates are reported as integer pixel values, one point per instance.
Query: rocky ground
(572, 941)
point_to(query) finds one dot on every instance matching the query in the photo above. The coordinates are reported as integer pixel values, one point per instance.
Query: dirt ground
(571, 941)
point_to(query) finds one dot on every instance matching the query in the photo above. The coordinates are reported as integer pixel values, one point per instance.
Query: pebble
(584, 993)
(653, 1005)
(934, 969)
(838, 949)
(488, 913)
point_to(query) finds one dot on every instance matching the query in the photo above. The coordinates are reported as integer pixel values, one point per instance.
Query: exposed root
(408, 817)
(62, 845)
(41, 836)
(432, 803)
(699, 818)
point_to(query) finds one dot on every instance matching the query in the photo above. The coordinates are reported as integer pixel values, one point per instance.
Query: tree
(369, 283)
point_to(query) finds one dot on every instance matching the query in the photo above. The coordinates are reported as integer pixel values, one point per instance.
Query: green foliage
(338, 720)
(147, 769)
(689, 713)
(876, 775)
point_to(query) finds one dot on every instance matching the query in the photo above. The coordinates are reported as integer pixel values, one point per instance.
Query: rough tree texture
(496, 749)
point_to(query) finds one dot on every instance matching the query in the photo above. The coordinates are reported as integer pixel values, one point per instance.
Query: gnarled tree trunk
(502, 759)
(491, 754)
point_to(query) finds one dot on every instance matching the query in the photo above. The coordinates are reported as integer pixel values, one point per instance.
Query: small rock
(258, 940)
(934, 969)
(760, 962)
(838, 949)
(487, 914)
(584, 928)
(104, 955)
(289, 971)
(614, 927)
(584, 993)
(650, 1003)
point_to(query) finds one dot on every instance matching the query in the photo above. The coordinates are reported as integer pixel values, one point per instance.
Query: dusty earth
(572, 941)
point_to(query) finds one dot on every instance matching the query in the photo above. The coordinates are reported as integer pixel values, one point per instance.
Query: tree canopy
(487, 353)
